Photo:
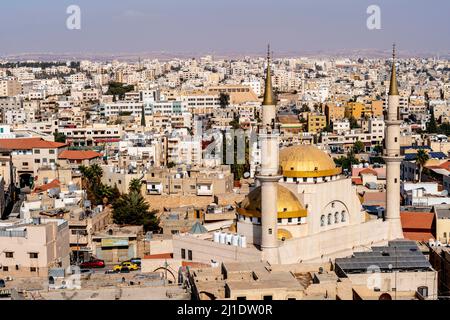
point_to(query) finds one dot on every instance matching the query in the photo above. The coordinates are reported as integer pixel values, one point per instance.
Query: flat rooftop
(398, 255)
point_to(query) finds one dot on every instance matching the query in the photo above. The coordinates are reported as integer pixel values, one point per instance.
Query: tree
(171, 164)
(378, 149)
(422, 158)
(353, 122)
(346, 162)
(358, 147)
(117, 88)
(304, 108)
(97, 192)
(224, 100)
(132, 209)
(59, 137)
(135, 185)
(235, 122)
(431, 125)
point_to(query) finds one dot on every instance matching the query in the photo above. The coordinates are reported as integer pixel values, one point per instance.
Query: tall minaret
(269, 176)
(392, 158)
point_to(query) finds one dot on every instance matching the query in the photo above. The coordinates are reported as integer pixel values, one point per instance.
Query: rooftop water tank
(216, 237)
(222, 237)
(243, 243)
(235, 240)
(229, 238)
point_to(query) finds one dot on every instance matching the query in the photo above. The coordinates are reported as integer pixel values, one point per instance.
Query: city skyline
(229, 29)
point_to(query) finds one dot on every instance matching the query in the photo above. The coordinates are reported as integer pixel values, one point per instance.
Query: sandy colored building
(334, 112)
(316, 123)
(29, 154)
(30, 249)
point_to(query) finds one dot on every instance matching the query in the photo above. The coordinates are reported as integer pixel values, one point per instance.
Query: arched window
(330, 218)
(336, 217)
(322, 220)
(343, 219)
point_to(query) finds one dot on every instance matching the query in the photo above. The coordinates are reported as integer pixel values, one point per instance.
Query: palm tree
(422, 158)
(96, 172)
(135, 185)
(132, 209)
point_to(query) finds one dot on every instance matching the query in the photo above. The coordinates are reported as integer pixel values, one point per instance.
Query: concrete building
(393, 272)
(30, 154)
(31, 248)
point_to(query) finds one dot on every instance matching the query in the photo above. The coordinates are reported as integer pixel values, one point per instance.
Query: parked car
(94, 263)
(126, 264)
(124, 269)
(110, 271)
(136, 261)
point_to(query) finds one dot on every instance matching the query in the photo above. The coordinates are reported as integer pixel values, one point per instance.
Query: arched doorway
(385, 296)
(26, 180)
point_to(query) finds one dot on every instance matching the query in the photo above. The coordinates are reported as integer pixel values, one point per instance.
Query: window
(25, 164)
(33, 255)
(336, 217)
(37, 160)
(322, 220)
(189, 254)
(241, 298)
(5, 268)
(267, 297)
(445, 234)
(289, 219)
(270, 231)
(33, 269)
(343, 216)
(183, 253)
(11, 254)
(330, 217)
(51, 151)
(37, 151)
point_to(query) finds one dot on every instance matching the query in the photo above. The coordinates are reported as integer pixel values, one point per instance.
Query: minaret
(268, 175)
(392, 158)
(269, 103)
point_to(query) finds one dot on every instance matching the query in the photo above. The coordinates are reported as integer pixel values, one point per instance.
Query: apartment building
(316, 123)
(198, 181)
(10, 88)
(334, 112)
(29, 154)
(32, 248)
(91, 135)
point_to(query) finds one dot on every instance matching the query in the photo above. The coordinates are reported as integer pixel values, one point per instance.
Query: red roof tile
(52, 184)
(29, 143)
(418, 236)
(417, 220)
(79, 154)
(368, 171)
(159, 256)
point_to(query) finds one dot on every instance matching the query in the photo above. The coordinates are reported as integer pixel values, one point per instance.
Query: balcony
(204, 189)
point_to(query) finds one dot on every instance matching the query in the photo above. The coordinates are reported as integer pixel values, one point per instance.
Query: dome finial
(268, 92)
(393, 88)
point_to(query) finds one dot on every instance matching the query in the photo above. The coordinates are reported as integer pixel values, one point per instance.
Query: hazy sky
(222, 26)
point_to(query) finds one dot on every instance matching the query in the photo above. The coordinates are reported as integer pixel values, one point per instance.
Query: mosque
(303, 209)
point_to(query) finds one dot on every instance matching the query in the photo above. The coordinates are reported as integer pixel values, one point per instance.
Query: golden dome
(288, 205)
(307, 161)
(283, 234)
